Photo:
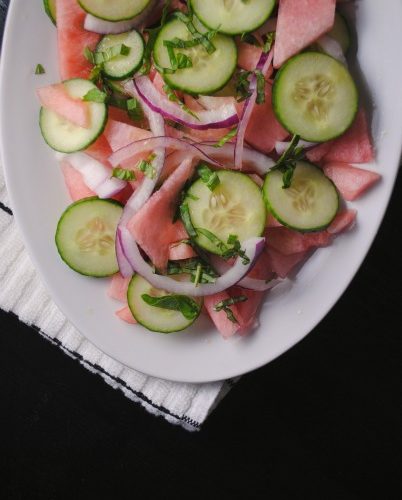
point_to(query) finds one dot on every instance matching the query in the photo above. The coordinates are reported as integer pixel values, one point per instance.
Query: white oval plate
(38, 198)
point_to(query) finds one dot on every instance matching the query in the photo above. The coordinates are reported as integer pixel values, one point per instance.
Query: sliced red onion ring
(142, 194)
(95, 175)
(153, 143)
(252, 248)
(332, 47)
(282, 146)
(139, 22)
(250, 283)
(222, 117)
(252, 159)
(263, 66)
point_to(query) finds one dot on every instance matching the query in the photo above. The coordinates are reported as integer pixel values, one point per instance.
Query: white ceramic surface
(38, 198)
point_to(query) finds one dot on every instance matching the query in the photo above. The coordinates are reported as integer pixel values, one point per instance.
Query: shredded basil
(123, 174)
(243, 86)
(147, 167)
(186, 305)
(224, 305)
(208, 176)
(287, 162)
(39, 70)
(185, 217)
(269, 39)
(226, 138)
(173, 97)
(95, 95)
(192, 268)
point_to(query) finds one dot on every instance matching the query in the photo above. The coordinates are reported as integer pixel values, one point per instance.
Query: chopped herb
(191, 267)
(185, 217)
(220, 245)
(186, 305)
(147, 167)
(226, 138)
(287, 162)
(224, 305)
(203, 38)
(260, 99)
(152, 36)
(243, 86)
(269, 39)
(183, 61)
(208, 176)
(235, 250)
(250, 39)
(39, 70)
(134, 109)
(95, 95)
(198, 274)
(123, 174)
(173, 97)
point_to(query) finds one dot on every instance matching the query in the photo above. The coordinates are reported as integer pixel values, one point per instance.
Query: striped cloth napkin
(22, 293)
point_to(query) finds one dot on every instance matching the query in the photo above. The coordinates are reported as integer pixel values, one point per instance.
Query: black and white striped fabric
(22, 294)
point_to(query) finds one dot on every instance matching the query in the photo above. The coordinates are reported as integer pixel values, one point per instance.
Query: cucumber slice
(118, 87)
(235, 206)
(314, 96)
(121, 67)
(85, 236)
(153, 318)
(233, 17)
(114, 10)
(50, 9)
(209, 73)
(341, 32)
(309, 204)
(62, 135)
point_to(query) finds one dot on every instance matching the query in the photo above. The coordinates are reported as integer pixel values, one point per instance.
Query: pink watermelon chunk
(120, 134)
(181, 251)
(248, 55)
(100, 150)
(288, 242)
(355, 145)
(56, 98)
(73, 39)
(126, 315)
(317, 153)
(152, 226)
(118, 288)
(282, 264)
(248, 309)
(272, 222)
(300, 23)
(351, 182)
(225, 326)
(264, 130)
(75, 183)
(262, 268)
(344, 220)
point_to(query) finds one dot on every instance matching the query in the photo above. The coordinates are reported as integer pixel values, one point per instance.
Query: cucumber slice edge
(65, 214)
(276, 106)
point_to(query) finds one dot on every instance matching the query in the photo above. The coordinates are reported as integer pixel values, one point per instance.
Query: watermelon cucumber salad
(207, 147)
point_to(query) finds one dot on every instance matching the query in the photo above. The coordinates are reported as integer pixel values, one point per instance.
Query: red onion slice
(142, 194)
(95, 175)
(250, 283)
(253, 160)
(252, 248)
(222, 117)
(153, 143)
(263, 66)
(332, 47)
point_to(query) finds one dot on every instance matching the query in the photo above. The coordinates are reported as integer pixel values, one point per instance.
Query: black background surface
(321, 422)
